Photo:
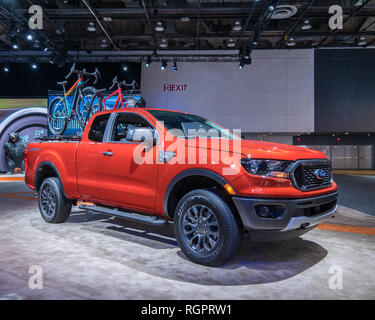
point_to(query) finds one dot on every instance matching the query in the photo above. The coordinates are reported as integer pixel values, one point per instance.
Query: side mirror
(139, 134)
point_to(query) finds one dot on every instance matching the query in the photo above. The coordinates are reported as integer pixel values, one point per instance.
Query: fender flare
(188, 173)
(50, 164)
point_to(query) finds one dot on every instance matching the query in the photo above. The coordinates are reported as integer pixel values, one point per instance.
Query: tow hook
(304, 225)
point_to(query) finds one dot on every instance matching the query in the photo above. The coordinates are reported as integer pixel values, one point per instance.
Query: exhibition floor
(97, 257)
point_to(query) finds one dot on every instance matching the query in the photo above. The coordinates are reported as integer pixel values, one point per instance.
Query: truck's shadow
(255, 263)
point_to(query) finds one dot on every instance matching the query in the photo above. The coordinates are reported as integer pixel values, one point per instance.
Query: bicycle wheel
(57, 119)
(130, 101)
(88, 103)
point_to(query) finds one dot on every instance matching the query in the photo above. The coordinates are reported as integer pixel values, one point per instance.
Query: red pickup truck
(154, 166)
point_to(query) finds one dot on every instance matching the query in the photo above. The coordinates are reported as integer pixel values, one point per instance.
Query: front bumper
(298, 216)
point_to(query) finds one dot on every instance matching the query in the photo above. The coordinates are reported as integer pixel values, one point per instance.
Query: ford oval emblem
(320, 174)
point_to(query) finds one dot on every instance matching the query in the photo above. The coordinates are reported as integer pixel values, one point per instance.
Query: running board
(134, 217)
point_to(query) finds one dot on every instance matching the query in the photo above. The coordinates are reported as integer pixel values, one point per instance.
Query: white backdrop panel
(273, 94)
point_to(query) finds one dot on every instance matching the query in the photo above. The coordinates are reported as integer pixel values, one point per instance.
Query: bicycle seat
(62, 83)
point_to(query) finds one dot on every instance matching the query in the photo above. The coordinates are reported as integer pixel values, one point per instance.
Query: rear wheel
(57, 119)
(206, 229)
(53, 205)
(88, 104)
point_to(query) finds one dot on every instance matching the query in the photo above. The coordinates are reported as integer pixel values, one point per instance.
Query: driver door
(124, 181)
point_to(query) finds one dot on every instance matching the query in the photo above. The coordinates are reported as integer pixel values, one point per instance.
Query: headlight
(261, 167)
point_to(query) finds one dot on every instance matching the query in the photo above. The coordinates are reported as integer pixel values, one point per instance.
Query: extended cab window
(97, 129)
(125, 122)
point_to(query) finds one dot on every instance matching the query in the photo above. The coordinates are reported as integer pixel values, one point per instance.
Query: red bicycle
(124, 101)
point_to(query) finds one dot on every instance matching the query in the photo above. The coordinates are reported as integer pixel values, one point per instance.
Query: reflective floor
(93, 256)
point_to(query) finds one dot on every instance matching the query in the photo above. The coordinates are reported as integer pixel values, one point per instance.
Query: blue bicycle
(61, 111)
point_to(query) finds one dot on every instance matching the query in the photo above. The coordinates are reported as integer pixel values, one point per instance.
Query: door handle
(107, 153)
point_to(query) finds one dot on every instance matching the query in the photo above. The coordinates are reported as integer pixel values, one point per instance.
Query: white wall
(273, 94)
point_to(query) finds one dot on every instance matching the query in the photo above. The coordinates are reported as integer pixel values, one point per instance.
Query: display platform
(114, 259)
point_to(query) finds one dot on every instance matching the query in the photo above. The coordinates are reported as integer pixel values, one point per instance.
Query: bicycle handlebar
(115, 81)
(83, 73)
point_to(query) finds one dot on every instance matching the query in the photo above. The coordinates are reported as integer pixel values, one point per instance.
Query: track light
(29, 37)
(91, 27)
(163, 65)
(175, 67)
(306, 25)
(124, 67)
(148, 61)
(164, 43)
(34, 66)
(291, 42)
(15, 46)
(237, 26)
(362, 41)
(247, 53)
(242, 63)
(6, 68)
(231, 43)
(159, 27)
(271, 8)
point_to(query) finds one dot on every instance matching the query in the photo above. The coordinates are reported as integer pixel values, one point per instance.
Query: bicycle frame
(119, 99)
(67, 105)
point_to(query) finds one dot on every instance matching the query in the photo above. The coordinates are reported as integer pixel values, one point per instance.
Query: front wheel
(57, 118)
(206, 228)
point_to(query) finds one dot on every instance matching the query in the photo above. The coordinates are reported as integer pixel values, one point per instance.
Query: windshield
(184, 125)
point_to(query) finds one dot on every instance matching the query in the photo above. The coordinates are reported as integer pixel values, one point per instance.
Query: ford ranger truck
(270, 191)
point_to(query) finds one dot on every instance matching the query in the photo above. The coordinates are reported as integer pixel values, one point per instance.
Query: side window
(97, 129)
(127, 121)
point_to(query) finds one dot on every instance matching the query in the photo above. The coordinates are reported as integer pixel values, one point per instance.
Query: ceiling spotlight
(148, 61)
(291, 42)
(45, 49)
(175, 67)
(91, 27)
(231, 43)
(15, 46)
(6, 68)
(159, 27)
(185, 19)
(237, 26)
(124, 67)
(164, 43)
(306, 25)
(104, 43)
(163, 65)
(29, 37)
(271, 8)
(362, 41)
(34, 66)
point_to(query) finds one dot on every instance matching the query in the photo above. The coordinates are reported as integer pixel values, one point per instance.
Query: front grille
(306, 174)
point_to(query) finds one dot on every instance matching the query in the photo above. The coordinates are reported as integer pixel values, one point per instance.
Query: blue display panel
(73, 127)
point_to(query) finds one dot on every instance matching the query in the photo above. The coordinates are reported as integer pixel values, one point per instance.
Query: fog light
(264, 212)
(269, 211)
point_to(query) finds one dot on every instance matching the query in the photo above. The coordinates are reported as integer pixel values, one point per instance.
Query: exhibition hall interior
(187, 150)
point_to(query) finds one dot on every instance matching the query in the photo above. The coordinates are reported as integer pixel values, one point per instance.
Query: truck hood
(261, 149)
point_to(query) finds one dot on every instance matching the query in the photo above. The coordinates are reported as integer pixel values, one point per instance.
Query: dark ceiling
(126, 26)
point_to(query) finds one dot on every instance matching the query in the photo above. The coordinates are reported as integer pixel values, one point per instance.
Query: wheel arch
(200, 178)
(46, 169)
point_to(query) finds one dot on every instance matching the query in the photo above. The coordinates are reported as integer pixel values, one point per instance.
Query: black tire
(53, 205)
(57, 126)
(216, 245)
